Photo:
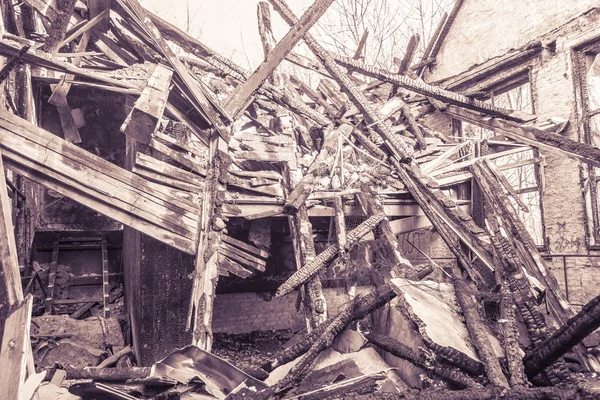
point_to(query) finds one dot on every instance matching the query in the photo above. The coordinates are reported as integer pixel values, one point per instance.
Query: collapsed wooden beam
(148, 109)
(573, 332)
(365, 304)
(239, 98)
(434, 91)
(400, 350)
(529, 134)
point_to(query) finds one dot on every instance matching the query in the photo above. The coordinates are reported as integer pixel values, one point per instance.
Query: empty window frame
(586, 75)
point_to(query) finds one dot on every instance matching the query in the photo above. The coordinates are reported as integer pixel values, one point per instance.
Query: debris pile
(207, 141)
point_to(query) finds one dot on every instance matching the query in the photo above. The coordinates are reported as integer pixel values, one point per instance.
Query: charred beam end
(573, 332)
(311, 269)
(12, 63)
(365, 304)
(400, 350)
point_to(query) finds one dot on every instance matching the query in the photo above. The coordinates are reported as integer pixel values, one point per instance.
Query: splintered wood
(218, 157)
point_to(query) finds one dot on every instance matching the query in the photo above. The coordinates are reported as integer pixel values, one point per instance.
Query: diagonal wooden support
(240, 98)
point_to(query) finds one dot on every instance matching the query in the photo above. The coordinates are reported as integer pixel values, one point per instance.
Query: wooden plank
(166, 180)
(148, 109)
(100, 184)
(108, 170)
(245, 246)
(240, 259)
(15, 350)
(67, 122)
(182, 145)
(44, 178)
(86, 26)
(9, 264)
(238, 99)
(161, 167)
(182, 158)
(233, 268)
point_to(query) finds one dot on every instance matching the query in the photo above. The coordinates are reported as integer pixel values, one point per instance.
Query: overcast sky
(227, 26)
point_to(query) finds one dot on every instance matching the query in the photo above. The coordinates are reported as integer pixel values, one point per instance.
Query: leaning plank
(149, 107)
(244, 255)
(9, 264)
(228, 265)
(281, 156)
(15, 350)
(166, 180)
(84, 28)
(238, 100)
(531, 135)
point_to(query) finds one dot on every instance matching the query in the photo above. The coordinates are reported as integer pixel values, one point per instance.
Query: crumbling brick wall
(569, 24)
(247, 312)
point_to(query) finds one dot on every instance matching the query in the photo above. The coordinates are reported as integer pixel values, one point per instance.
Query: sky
(227, 26)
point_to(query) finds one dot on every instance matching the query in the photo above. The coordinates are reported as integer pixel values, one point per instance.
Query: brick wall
(472, 39)
(247, 312)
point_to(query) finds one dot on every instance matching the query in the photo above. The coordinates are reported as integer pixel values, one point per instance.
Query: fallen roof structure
(207, 142)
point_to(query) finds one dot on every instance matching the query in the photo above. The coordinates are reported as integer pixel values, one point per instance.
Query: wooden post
(16, 350)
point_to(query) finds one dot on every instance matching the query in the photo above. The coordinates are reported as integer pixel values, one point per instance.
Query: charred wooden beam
(573, 332)
(457, 358)
(311, 269)
(404, 352)
(299, 371)
(529, 134)
(13, 62)
(510, 335)
(59, 26)
(365, 304)
(434, 91)
(239, 99)
(478, 331)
